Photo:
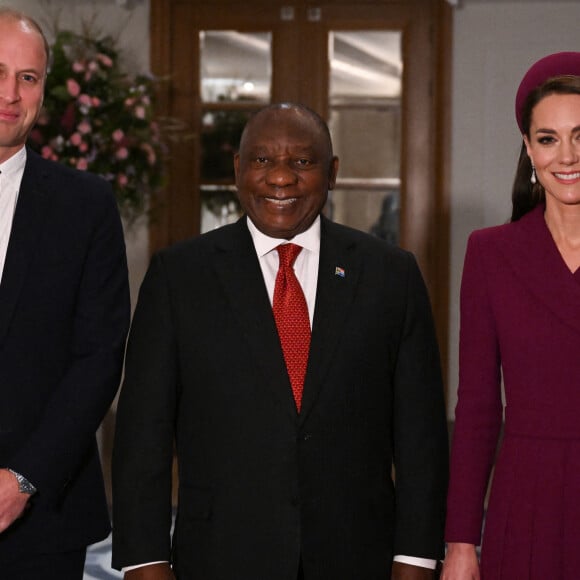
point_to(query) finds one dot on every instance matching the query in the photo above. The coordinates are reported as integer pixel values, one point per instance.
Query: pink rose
(46, 152)
(73, 88)
(122, 179)
(85, 100)
(105, 60)
(96, 101)
(140, 112)
(76, 139)
(78, 66)
(122, 153)
(84, 127)
(118, 135)
(82, 164)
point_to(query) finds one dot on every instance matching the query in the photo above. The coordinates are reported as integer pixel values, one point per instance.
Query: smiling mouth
(568, 176)
(281, 202)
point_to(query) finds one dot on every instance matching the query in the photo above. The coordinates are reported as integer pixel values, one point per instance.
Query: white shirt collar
(14, 166)
(309, 239)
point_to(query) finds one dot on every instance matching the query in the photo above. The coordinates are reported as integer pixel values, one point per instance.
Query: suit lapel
(241, 276)
(26, 228)
(334, 297)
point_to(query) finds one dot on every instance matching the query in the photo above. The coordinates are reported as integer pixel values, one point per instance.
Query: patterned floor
(98, 563)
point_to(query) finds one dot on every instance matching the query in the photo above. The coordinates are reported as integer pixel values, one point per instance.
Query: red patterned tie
(291, 314)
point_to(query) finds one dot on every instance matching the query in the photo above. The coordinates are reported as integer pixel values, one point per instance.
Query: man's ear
(333, 172)
(236, 165)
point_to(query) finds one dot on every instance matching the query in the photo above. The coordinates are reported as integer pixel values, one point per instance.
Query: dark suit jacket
(64, 312)
(260, 485)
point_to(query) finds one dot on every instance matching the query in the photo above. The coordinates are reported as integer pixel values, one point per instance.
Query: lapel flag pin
(338, 271)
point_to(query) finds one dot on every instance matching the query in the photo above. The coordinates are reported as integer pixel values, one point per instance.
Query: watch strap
(24, 486)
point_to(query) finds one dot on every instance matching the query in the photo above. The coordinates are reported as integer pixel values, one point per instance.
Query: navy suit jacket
(259, 484)
(64, 314)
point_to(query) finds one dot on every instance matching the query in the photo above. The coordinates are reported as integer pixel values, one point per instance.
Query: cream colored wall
(495, 41)
(130, 27)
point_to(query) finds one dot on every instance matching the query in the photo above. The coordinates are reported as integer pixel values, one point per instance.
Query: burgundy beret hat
(553, 65)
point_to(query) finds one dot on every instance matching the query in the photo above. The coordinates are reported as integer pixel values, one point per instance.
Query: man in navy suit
(64, 313)
(271, 488)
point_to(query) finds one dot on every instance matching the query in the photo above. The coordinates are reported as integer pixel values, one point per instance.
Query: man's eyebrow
(31, 69)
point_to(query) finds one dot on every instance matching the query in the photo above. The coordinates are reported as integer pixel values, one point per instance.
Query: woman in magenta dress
(520, 322)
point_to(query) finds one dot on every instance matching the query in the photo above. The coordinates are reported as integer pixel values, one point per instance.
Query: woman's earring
(533, 178)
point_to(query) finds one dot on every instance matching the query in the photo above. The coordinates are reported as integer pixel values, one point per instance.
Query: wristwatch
(24, 486)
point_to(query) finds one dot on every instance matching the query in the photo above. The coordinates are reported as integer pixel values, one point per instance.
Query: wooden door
(290, 46)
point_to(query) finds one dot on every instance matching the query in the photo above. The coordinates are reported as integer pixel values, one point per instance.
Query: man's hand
(402, 571)
(12, 502)
(151, 572)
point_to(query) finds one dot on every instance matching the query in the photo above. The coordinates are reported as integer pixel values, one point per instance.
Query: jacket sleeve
(143, 450)
(52, 452)
(478, 414)
(420, 430)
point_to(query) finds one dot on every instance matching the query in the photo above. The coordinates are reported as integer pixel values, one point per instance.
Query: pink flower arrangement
(122, 153)
(99, 119)
(73, 87)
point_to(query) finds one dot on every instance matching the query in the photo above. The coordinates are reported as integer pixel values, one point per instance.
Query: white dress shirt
(306, 270)
(11, 172)
(305, 266)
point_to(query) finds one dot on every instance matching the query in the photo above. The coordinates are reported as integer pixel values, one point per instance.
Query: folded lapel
(239, 271)
(534, 257)
(31, 210)
(338, 276)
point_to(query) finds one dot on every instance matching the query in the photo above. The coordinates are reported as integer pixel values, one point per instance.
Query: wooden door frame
(426, 27)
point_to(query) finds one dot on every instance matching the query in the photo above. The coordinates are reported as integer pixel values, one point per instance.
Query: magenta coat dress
(520, 316)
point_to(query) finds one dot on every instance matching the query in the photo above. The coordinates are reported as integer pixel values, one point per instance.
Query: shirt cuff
(422, 562)
(127, 568)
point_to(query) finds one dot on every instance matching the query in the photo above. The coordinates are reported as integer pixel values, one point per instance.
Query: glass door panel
(235, 79)
(235, 66)
(365, 90)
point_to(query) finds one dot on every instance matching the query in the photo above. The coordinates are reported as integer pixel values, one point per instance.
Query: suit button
(306, 436)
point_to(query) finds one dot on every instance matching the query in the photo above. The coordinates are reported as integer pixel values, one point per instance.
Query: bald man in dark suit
(275, 485)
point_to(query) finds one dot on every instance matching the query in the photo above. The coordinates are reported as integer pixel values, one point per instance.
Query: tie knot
(288, 254)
